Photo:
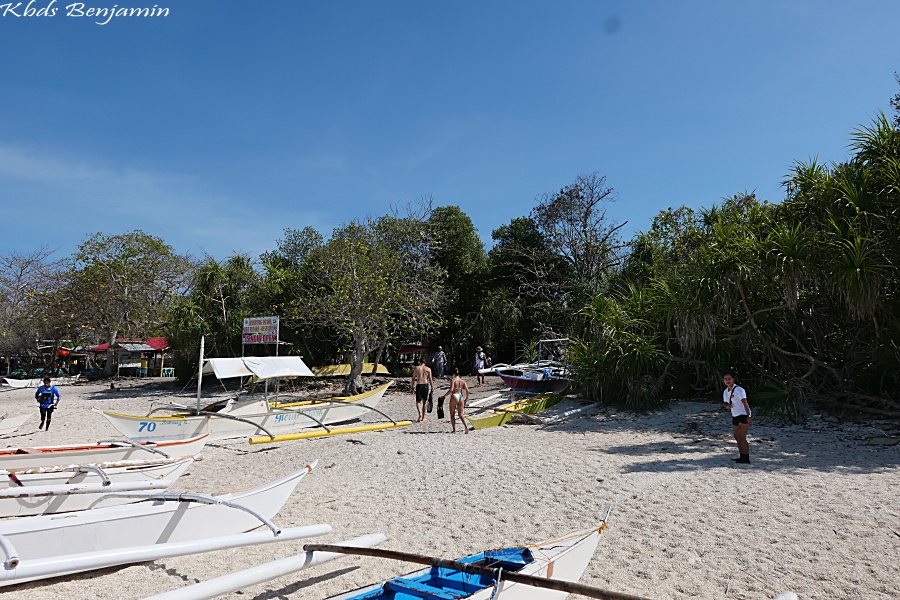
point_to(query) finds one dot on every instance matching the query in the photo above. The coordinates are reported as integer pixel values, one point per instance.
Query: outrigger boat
(500, 415)
(163, 524)
(33, 382)
(53, 490)
(113, 451)
(10, 424)
(508, 573)
(239, 418)
(540, 377)
(534, 378)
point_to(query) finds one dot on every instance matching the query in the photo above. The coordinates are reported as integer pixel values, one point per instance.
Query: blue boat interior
(449, 584)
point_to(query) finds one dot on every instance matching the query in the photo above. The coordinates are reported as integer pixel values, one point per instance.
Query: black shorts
(422, 390)
(739, 420)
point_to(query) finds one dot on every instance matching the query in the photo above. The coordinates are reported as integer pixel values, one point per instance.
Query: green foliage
(220, 296)
(458, 250)
(124, 284)
(372, 283)
(801, 297)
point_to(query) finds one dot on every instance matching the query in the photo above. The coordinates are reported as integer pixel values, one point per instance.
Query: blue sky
(223, 123)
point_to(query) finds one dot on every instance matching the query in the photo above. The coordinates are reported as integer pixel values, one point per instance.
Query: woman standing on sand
(458, 387)
(735, 398)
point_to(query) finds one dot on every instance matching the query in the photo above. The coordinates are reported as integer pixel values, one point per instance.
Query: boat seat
(422, 590)
(510, 559)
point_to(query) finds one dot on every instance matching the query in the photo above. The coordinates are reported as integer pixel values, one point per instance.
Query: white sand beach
(817, 513)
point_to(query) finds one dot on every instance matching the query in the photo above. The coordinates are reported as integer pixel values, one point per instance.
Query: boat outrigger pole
(200, 371)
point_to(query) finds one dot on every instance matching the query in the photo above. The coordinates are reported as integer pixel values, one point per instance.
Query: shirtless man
(458, 387)
(422, 383)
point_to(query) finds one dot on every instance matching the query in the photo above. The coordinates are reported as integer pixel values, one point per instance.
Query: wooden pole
(541, 582)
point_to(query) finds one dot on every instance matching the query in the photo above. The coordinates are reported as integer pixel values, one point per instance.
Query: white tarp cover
(264, 367)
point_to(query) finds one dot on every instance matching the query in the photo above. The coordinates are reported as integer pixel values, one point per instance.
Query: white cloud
(64, 199)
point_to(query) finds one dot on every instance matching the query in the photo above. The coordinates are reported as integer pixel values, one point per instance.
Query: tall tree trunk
(354, 384)
(378, 357)
(110, 354)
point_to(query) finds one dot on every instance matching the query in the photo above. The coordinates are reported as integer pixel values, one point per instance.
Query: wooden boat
(541, 377)
(34, 382)
(98, 454)
(244, 418)
(10, 424)
(52, 490)
(50, 545)
(545, 375)
(563, 559)
(240, 580)
(500, 415)
(343, 370)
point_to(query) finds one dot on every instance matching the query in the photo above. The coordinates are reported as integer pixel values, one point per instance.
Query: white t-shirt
(734, 397)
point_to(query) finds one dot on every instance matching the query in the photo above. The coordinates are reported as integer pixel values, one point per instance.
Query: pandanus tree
(800, 296)
(220, 294)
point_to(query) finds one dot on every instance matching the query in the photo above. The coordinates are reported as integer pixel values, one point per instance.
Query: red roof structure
(156, 343)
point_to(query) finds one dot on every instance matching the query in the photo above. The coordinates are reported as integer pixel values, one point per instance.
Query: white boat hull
(60, 491)
(280, 418)
(34, 383)
(95, 454)
(10, 424)
(147, 523)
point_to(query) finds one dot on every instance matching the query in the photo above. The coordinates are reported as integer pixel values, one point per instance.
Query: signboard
(260, 330)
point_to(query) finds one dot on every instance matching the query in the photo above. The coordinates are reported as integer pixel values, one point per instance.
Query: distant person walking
(440, 363)
(48, 399)
(459, 395)
(480, 363)
(735, 398)
(422, 384)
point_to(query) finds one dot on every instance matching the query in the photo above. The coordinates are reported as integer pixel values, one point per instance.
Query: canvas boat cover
(264, 367)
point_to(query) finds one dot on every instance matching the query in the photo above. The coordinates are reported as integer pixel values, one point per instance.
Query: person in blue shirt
(48, 398)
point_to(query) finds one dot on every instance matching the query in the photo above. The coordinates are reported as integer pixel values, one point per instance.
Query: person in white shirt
(735, 398)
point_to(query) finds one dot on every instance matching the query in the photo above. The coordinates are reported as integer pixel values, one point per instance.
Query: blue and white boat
(564, 558)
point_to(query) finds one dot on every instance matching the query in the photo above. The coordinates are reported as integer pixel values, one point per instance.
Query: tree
(219, 296)
(125, 283)
(800, 296)
(459, 252)
(895, 102)
(525, 286)
(24, 277)
(575, 226)
(372, 281)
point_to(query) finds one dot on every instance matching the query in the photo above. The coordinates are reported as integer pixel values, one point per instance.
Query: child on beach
(48, 399)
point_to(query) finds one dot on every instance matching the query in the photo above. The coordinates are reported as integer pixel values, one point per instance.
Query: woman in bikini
(458, 387)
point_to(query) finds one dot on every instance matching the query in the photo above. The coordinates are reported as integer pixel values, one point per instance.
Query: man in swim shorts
(422, 384)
